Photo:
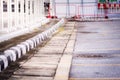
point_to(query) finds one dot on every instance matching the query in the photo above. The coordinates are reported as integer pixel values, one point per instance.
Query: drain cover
(86, 32)
(90, 56)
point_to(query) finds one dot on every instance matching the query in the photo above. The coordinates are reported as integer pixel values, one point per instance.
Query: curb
(16, 52)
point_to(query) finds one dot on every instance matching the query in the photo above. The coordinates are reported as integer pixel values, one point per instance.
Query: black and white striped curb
(16, 52)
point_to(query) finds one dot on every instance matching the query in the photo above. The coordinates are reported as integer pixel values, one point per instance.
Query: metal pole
(54, 5)
(68, 9)
(82, 5)
(106, 10)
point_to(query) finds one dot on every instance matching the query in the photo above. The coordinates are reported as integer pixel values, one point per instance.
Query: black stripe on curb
(3, 62)
(1, 65)
(23, 48)
(27, 45)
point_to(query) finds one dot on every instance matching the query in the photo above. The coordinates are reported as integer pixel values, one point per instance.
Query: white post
(52, 8)
(16, 14)
(1, 10)
(22, 13)
(43, 13)
(9, 9)
(38, 9)
(31, 20)
(35, 10)
(27, 12)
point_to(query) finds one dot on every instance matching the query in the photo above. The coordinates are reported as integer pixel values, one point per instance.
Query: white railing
(18, 32)
(19, 13)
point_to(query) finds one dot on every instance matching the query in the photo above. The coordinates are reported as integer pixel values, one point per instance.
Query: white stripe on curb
(27, 45)
(31, 43)
(10, 53)
(17, 51)
(23, 48)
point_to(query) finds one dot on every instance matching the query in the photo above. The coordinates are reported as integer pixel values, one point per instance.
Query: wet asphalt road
(97, 51)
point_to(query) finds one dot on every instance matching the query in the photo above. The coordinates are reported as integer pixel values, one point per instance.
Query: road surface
(97, 51)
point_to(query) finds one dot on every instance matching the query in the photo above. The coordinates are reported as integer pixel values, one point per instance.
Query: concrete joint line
(62, 72)
(63, 69)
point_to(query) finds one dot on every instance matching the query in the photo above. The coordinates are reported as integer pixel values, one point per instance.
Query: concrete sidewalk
(49, 62)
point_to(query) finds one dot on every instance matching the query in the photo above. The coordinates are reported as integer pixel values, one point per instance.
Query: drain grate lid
(91, 56)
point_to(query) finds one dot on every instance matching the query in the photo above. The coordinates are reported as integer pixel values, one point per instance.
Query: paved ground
(46, 59)
(97, 51)
(96, 55)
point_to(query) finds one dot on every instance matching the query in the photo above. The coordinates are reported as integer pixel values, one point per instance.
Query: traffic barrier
(16, 52)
